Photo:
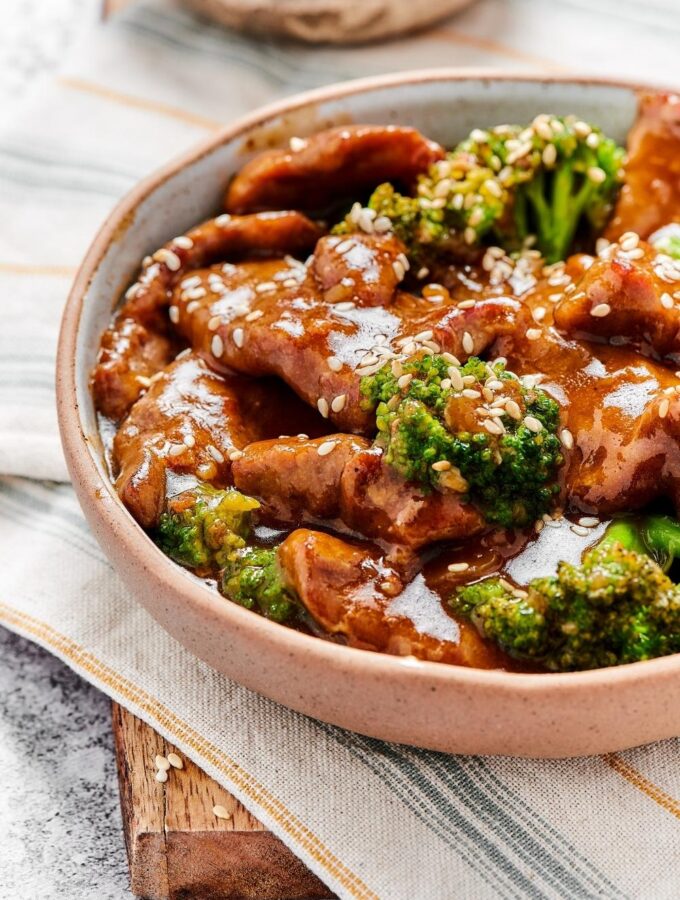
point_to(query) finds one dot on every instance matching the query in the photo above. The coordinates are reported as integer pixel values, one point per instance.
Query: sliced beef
(139, 340)
(269, 318)
(297, 477)
(626, 297)
(187, 424)
(363, 268)
(329, 166)
(350, 591)
(650, 196)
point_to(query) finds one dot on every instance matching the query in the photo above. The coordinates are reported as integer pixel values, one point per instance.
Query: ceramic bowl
(428, 704)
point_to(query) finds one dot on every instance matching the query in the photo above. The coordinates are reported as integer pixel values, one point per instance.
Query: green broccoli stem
(657, 536)
(557, 207)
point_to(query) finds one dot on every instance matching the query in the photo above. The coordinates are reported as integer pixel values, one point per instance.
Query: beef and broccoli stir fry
(422, 401)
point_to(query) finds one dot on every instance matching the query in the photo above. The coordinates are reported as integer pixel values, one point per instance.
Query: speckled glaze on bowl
(400, 699)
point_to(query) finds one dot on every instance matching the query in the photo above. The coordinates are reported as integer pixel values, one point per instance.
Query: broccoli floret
(253, 578)
(548, 181)
(657, 536)
(616, 607)
(202, 528)
(433, 434)
(667, 240)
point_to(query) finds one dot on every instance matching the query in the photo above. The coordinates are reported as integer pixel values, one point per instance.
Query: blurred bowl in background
(328, 21)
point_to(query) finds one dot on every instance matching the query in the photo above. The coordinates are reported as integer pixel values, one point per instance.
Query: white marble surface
(60, 827)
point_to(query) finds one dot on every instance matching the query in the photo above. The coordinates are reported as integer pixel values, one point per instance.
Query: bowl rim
(137, 543)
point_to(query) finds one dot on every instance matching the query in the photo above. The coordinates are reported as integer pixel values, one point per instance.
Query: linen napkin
(371, 819)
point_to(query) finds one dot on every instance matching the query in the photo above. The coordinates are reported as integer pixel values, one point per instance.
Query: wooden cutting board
(178, 848)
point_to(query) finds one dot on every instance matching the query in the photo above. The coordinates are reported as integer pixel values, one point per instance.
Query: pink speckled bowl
(428, 704)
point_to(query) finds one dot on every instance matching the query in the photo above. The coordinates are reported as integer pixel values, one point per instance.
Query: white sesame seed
(215, 453)
(344, 306)
(466, 304)
(450, 359)
(539, 525)
(404, 380)
(664, 406)
(456, 378)
(338, 403)
(549, 155)
(533, 424)
(322, 406)
(513, 410)
(468, 342)
(190, 440)
(184, 242)
(424, 335)
(162, 762)
(326, 448)
(469, 235)
(493, 427)
(344, 246)
(217, 346)
(254, 315)
(143, 380)
(667, 301)
(442, 465)
(580, 530)
(223, 220)
(221, 812)
(214, 323)
(177, 449)
(194, 294)
(173, 312)
(192, 307)
(382, 224)
(334, 364)
(458, 567)
(238, 336)
(596, 174)
(588, 521)
(132, 291)
(471, 395)
(423, 272)
(398, 269)
(175, 761)
(600, 310)
(169, 258)
(629, 240)
(236, 454)
(297, 143)
(533, 334)
(162, 776)
(567, 438)
(539, 313)
(265, 286)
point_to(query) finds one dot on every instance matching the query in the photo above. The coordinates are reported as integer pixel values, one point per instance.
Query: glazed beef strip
(650, 197)
(350, 591)
(629, 294)
(340, 476)
(329, 166)
(187, 424)
(140, 342)
(270, 318)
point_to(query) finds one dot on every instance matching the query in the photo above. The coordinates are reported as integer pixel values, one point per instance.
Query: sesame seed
(236, 454)
(567, 438)
(667, 301)
(326, 448)
(539, 313)
(192, 307)
(334, 364)
(175, 761)
(265, 286)
(549, 155)
(458, 567)
(132, 291)
(579, 529)
(533, 424)
(469, 235)
(450, 359)
(493, 427)
(398, 269)
(588, 521)
(456, 378)
(184, 242)
(254, 315)
(297, 143)
(238, 336)
(169, 257)
(322, 406)
(471, 395)
(344, 246)
(194, 294)
(600, 310)
(468, 342)
(221, 812)
(382, 224)
(629, 240)
(533, 334)
(217, 346)
(539, 525)
(143, 380)
(596, 174)
(190, 440)
(338, 403)
(466, 304)
(173, 312)
(215, 453)
(513, 410)
(664, 406)
(345, 306)
(423, 272)
(443, 465)
(177, 449)
(214, 323)
(162, 762)
(162, 776)
(223, 220)
(404, 380)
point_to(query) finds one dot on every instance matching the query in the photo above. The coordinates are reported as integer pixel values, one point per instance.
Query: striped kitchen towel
(370, 818)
